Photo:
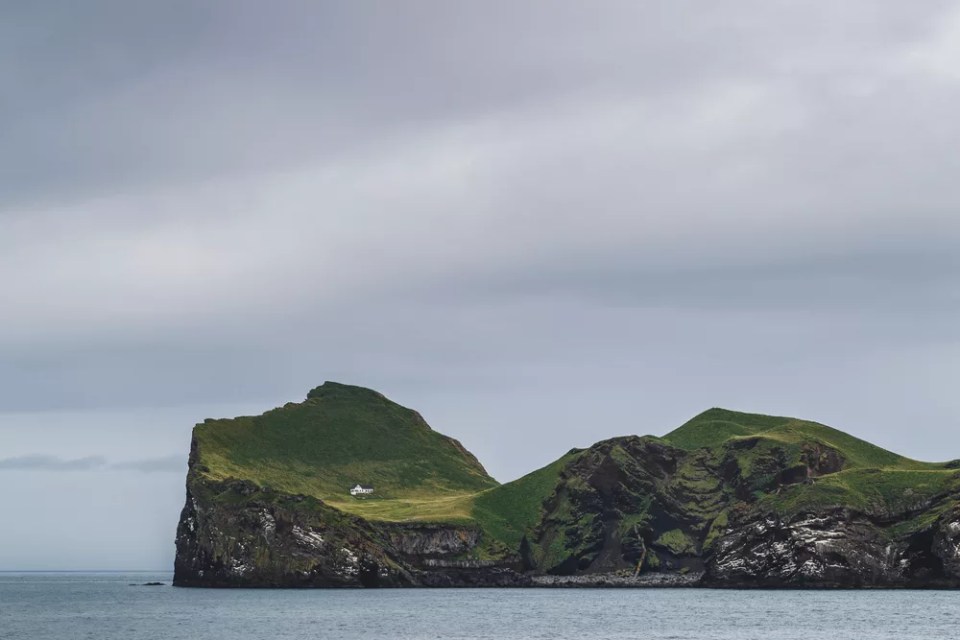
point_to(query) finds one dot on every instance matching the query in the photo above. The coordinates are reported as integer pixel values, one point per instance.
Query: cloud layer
(39, 462)
(52, 463)
(539, 226)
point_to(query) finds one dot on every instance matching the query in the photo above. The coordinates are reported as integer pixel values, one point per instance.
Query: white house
(361, 490)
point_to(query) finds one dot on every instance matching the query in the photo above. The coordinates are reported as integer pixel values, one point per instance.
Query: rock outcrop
(835, 548)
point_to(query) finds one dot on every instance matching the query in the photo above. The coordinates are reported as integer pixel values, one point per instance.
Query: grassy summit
(339, 436)
(716, 427)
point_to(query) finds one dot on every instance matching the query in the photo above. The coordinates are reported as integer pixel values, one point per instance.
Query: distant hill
(728, 498)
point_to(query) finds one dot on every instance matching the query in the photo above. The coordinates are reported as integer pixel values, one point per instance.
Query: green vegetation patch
(676, 542)
(512, 510)
(712, 428)
(881, 492)
(717, 427)
(717, 529)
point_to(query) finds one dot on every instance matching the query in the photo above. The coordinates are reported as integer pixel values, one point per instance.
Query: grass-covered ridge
(717, 427)
(339, 436)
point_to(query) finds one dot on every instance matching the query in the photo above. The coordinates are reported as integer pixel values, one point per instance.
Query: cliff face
(638, 506)
(727, 500)
(235, 534)
(835, 548)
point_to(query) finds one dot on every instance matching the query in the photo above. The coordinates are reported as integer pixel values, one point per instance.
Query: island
(350, 489)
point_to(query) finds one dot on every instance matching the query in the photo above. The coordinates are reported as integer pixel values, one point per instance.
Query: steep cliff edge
(728, 499)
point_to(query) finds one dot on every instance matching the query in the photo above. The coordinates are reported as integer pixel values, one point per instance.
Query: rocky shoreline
(604, 580)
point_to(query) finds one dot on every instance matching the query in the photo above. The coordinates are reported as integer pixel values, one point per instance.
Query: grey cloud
(869, 279)
(39, 462)
(179, 92)
(52, 463)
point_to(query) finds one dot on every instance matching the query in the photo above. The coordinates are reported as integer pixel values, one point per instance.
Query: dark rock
(281, 542)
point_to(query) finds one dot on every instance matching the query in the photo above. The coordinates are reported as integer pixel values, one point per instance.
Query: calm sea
(105, 606)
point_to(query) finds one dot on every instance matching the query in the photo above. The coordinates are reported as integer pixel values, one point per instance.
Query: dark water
(104, 606)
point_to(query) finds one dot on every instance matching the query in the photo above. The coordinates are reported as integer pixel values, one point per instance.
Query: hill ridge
(692, 505)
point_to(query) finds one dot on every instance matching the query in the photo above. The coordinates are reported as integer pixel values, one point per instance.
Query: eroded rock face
(831, 549)
(431, 540)
(946, 544)
(836, 548)
(250, 537)
(235, 534)
(633, 506)
(610, 505)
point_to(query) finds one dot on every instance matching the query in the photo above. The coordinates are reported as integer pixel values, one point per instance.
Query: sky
(538, 224)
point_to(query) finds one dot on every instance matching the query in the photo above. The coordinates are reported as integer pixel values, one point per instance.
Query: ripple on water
(105, 606)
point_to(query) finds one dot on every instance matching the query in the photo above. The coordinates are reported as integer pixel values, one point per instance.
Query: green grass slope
(512, 510)
(877, 492)
(872, 480)
(339, 436)
(716, 427)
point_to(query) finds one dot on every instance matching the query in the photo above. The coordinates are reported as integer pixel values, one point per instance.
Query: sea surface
(107, 605)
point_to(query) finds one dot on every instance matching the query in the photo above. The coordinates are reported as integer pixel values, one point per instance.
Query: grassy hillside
(339, 436)
(872, 480)
(511, 510)
(872, 491)
(716, 427)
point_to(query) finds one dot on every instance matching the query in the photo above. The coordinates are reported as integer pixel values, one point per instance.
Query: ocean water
(106, 606)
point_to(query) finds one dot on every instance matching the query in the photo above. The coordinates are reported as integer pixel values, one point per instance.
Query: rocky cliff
(728, 499)
(639, 505)
(235, 534)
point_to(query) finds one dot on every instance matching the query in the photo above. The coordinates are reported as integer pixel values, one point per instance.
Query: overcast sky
(539, 224)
